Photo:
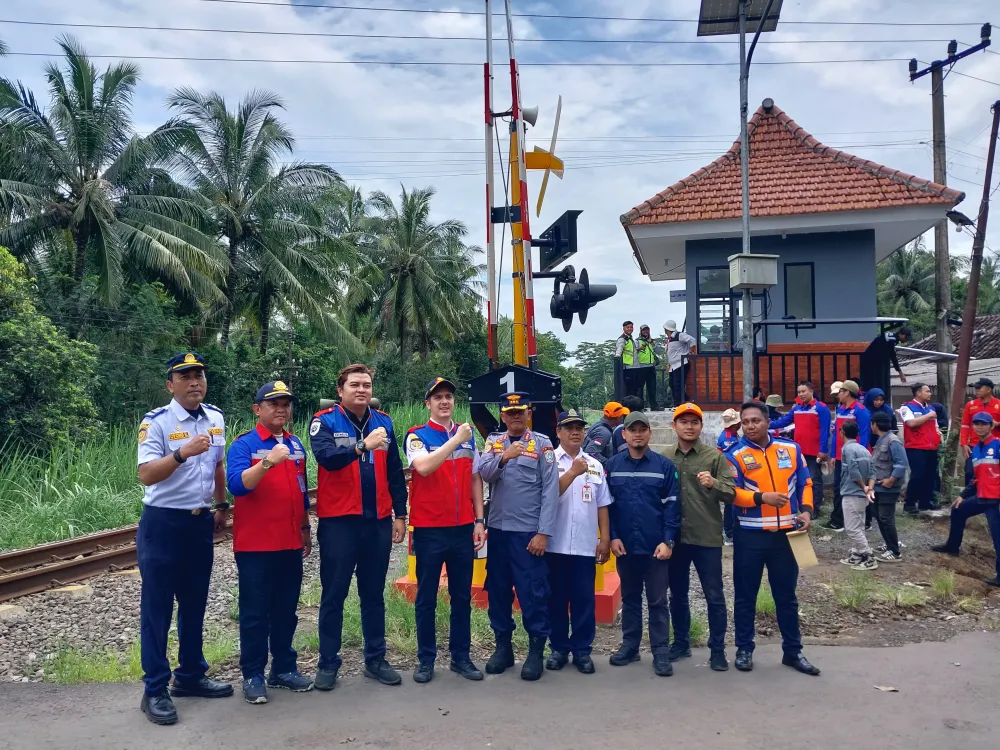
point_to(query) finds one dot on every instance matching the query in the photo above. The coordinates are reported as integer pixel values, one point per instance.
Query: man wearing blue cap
(266, 470)
(519, 466)
(446, 513)
(181, 448)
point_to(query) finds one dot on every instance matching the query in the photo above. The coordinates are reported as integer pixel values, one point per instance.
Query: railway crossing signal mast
(556, 244)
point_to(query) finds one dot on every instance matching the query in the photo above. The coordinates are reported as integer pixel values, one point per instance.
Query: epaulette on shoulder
(541, 435)
(415, 428)
(379, 411)
(321, 412)
(155, 413)
(212, 407)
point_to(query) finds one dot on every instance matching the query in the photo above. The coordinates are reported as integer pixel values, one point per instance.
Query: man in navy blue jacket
(645, 520)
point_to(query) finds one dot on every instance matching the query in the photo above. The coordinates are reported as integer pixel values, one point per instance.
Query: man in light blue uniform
(181, 447)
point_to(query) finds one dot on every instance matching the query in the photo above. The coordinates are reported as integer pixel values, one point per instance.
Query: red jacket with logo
(985, 470)
(991, 407)
(924, 437)
(443, 497)
(812, 426)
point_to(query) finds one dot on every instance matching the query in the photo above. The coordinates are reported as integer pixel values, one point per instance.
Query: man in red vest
(446, 512)
(266, 473)
(983, 402)
(921, 440)
(360, 488)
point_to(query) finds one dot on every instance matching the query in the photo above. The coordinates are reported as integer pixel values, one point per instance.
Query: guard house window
(800, 291)
(719, 313)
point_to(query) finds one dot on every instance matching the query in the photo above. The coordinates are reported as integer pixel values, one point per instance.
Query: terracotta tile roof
(790, 173)
(985, 338)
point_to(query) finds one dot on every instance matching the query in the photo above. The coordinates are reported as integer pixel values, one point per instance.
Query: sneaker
(381, 670)
(887, 556)
(254, 689)
(829, 526)
(624, 655)
(727, 541)
(424, 672)
(662, 666)
(744, 660)
(466, 669)
(852, 559)
(868, 562)
(557, 660)
(885, 547)
(676, 653)
(718, 662)
(294, 681)
(326, 679)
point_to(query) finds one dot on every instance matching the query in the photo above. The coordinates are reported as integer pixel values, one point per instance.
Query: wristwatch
(481, 520)
(360, 447)
(266, 463)
(178, 457)
(669, 544)
(221, 506)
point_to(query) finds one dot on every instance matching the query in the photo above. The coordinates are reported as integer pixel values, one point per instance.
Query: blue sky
(626, 133)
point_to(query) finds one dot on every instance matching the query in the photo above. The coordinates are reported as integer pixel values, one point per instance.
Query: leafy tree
(905, 286)
(47, 379)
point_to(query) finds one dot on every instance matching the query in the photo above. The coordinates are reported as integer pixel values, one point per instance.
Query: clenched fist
(376, 439)
(514, 451)
(464, 433)
(278, 453)
(197, 446)
(579, 467)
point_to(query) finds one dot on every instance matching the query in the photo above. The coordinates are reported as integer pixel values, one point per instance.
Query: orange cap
(688, 408)
(613, 409)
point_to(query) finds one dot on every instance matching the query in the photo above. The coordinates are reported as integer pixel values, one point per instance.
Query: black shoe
(744, 661)
(800, 664)
(676, 653)
(502, 658)
(424, 672)
(945, 550)
(624, 655)
(992, 581)
(831, 526)
(910, 510)
(556, 661)
(467, 669)
(297, 683)
(203, 688)
(254, 690)
(532, 670)
(326, 679)
(381, 670)
(159, 708)
(584, 663)
(718, 662)
(662, 666)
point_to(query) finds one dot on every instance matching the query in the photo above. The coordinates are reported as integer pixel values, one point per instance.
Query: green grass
(855, 591)
(765, 601)
(970, 604)
(944, 584)
(901, 596)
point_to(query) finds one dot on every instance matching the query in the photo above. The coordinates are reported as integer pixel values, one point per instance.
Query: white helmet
(670, 325)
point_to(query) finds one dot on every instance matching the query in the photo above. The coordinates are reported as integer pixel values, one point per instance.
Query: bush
(47, 380)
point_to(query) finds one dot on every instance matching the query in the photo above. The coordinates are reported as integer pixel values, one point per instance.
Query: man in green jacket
(706, 481)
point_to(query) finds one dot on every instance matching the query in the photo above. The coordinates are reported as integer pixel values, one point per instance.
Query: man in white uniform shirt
(574, 547)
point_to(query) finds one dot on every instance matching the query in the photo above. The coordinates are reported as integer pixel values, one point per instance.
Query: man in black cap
(181, 447)
(267, 472)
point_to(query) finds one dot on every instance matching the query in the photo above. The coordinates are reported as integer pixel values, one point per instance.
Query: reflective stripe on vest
(628, 353)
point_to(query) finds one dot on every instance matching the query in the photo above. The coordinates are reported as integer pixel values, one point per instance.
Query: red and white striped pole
(491, 303)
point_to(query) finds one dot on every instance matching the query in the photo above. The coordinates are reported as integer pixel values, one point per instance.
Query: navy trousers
(270, 583)
(816, 475)
(923, 477)
(974, 507)
(638, 572)
(348, 544)
(509, 568)
(728, 520)
(572, 601)
(175, 552)
(452, 547)
(753, 551)
(707, 562)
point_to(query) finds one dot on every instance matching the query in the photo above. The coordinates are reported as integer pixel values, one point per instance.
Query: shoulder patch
(487, 446)
(314, 427)
(414, 443)
(143, 431)
(324, 411)
(213, 408)
(549, 455)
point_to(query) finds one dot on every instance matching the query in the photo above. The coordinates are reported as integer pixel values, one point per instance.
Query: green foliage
(47, 380)
(765, 601)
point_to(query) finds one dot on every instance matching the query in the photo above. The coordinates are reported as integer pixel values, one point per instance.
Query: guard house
(830, 217)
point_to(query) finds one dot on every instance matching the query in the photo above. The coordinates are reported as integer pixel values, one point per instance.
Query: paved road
(939, 705)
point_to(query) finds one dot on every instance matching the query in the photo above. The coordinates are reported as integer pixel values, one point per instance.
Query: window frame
(812, 292)
(733, 300)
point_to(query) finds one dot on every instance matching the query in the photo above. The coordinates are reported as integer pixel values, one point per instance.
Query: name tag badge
(588, 493)
(784, 459)
(178, 435)
(302, 483)
(215, 436)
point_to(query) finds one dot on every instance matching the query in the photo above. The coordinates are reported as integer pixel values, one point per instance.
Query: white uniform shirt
(576, 520)
(192, 484)
(679, 348)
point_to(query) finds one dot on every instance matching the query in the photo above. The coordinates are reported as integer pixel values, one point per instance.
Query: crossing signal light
(576, 297)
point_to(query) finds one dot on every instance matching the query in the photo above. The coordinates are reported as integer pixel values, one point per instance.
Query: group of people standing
(638, 361)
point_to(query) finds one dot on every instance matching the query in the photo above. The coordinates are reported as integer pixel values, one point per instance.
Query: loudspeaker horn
(530, 115)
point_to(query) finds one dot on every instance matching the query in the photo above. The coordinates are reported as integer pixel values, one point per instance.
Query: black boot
(532, 668)
(503, 656)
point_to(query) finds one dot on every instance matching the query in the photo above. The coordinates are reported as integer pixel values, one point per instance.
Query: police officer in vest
(520, 467)
(645, 368)
(446, 512)
(360, 488)
(266, 471)
(181, 447)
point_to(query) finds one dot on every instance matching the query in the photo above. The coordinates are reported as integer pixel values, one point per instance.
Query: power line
(343, 35)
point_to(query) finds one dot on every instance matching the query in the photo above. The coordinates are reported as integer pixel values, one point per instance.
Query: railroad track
(30, 571)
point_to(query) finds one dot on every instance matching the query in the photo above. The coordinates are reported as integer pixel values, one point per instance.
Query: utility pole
(942, 258)
(971, 300)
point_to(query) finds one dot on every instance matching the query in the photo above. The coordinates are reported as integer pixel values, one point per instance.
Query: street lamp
(726, 17)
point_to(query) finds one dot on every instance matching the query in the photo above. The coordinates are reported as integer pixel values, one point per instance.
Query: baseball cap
(730, 417)
(186, 361)
(613, 409)
(636, 417)
(981, 416)
(983, 382)
(835, 387)
(515, 401)
(274, 389)
(775, 400)
(850, 386)
(644, 327)
(670, 325)
(570, 417)
(688, 408)
(438, 383)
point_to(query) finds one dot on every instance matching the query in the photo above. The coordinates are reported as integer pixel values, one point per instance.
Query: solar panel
(719, 17)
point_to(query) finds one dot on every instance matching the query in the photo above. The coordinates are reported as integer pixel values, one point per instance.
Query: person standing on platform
(266, 471)
(706, 483)
(645, 519)
(890, 465)
(773, 497)
(520, 467)
(679, 346)
(849, 409)
(582, 532)
(881, 352)
(361, 487)
(981, 496)
(598, 440)
(984, 401)
(625, 361)
(921, 439)
(729, 437)
(810, 419)
(181, 448)
(446, 513)
(645, 368)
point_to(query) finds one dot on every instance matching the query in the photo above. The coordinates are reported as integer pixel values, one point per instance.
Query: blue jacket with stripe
(645, 511)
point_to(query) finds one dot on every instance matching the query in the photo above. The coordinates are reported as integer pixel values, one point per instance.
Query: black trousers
(923, 478)
(348, 544)
(707, 562)
(632, 385)
(885, 514)
(452, 547)
(816, 475)
(270, 583)
(753, 551)
(645, 571)
(571, 599)
(646, 380)
(678, 389)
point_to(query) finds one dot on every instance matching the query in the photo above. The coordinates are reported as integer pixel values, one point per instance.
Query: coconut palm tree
(264, 210)
(906, 280)
(77, 172)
